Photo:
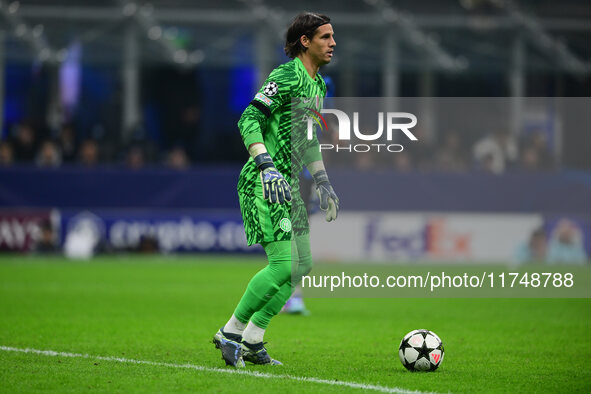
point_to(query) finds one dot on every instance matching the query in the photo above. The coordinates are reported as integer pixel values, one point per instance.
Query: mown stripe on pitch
(254, 374)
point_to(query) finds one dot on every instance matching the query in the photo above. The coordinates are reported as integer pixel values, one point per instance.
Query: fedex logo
(428, 240)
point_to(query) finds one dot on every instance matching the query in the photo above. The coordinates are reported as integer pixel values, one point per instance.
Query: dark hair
(306, 24)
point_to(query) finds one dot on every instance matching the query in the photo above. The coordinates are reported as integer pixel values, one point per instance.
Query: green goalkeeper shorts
(267, 222)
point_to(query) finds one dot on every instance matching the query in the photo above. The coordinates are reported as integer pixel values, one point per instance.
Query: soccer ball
(421, 350)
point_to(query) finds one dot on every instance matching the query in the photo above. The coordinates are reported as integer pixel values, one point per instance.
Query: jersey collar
(302, 68)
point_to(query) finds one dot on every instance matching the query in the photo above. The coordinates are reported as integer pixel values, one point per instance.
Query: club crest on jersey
(285, 225)
(271, 89)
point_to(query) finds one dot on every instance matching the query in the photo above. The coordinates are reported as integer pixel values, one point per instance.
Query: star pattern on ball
(423, 351)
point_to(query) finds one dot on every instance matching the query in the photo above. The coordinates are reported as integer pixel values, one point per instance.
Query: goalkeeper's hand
(329, 202)
(275, 188)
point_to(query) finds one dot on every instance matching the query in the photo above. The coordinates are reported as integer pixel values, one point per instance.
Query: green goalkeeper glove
(275, 188)
(329, 202)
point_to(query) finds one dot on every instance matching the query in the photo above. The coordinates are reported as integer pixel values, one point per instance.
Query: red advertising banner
(21, 229)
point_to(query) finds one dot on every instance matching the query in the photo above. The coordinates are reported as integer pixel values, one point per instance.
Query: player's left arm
(329, 202)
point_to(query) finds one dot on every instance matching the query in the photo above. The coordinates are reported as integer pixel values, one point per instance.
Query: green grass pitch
(166, 309)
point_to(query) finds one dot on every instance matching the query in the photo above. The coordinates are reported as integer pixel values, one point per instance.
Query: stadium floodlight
(417, 37)
(544, 41)
(272, 16)
(144, 16)
(33, 36)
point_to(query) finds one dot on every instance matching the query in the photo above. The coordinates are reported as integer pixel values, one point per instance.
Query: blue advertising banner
(209, 231)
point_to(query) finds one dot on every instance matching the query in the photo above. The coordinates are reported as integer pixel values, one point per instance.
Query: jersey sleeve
(275, 93)
(312, 152)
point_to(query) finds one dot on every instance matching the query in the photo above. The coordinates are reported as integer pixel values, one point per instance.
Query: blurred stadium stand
(142, 78)
(99, 95)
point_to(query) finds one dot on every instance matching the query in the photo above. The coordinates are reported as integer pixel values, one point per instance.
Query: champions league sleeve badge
(271, 89)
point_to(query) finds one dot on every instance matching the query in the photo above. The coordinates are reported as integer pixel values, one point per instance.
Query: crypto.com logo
(344, 130)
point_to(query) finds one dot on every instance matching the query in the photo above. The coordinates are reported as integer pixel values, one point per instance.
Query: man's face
(321, 47)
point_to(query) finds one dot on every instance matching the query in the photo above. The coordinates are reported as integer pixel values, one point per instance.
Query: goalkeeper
(273, 211)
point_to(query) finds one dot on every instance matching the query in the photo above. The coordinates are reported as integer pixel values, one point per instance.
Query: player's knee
(279, 255)
(281, 269)
(304, 266)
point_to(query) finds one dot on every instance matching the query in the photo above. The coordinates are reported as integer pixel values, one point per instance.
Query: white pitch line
(255, 374)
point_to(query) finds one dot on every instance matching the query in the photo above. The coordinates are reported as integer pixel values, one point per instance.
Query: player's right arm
(275, 93)
(275, 188)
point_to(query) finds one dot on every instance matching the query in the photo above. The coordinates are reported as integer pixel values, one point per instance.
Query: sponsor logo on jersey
(261, 97)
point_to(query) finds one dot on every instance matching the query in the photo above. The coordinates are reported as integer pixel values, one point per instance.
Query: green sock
(262, 317)
(267, 282)
(302, 258)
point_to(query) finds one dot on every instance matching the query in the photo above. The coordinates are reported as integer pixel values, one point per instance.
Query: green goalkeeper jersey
(272, 120)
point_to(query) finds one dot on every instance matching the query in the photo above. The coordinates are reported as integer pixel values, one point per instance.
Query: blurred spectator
(135, 158)
(402, 162)
(534, 250)
(422, 151)
(6, 154)
(566, 244)
(495, 152)
(49, 155)
(67, 142)
(107, 146)
(89, 153)
(365, 161)
(530, 160)
(177, 159)
(189, 126)
(451, 155)
(179, 94)
(536, 153)
(140, 149)
(46, 243)
(148, 245)
(25, 143)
